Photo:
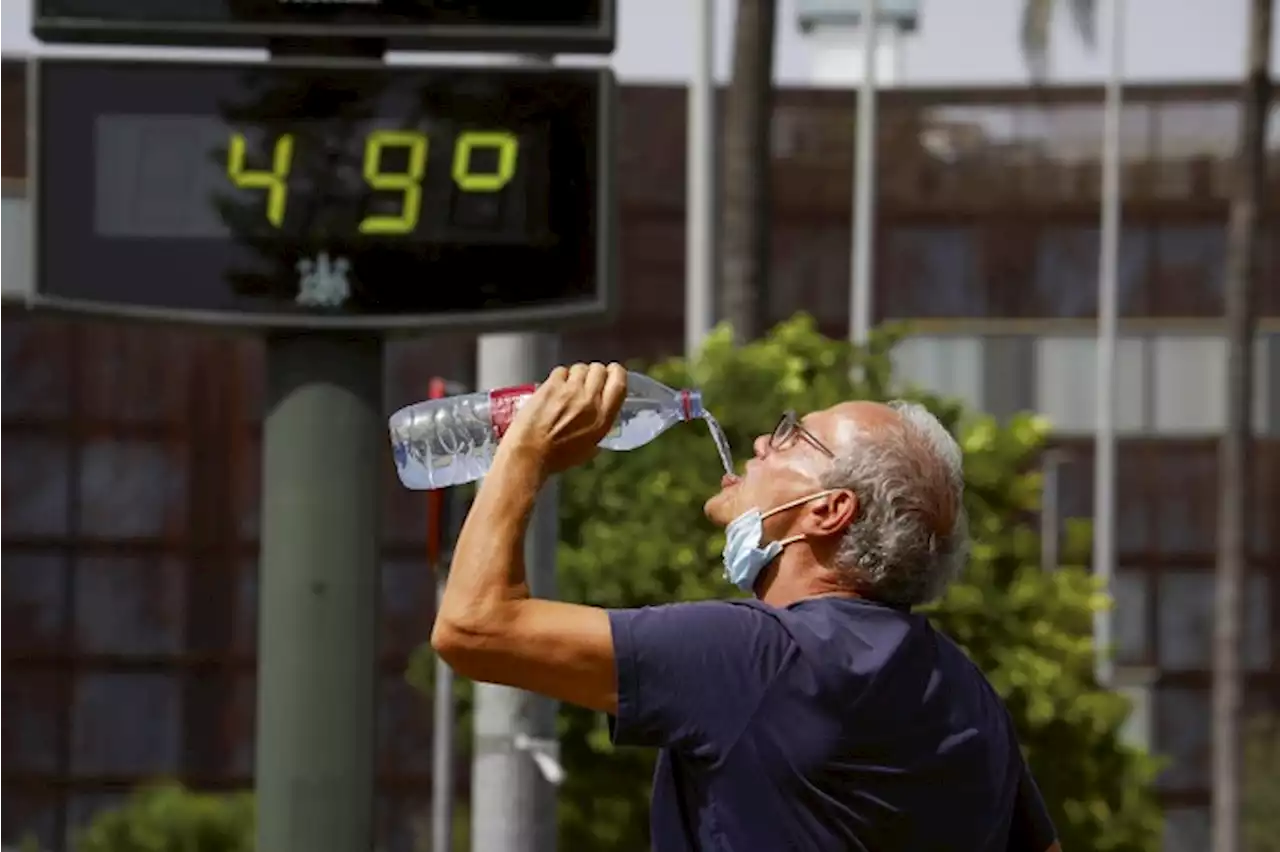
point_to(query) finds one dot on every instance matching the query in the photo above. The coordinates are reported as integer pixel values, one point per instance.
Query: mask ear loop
(799, 501)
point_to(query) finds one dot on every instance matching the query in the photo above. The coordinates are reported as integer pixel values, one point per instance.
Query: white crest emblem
(322, 283)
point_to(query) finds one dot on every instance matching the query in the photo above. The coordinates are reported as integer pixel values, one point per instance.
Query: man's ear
(832, 515)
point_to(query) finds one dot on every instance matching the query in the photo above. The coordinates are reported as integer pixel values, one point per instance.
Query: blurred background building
(131, 488)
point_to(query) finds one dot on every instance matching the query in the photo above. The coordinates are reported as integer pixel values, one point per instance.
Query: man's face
(785, 465)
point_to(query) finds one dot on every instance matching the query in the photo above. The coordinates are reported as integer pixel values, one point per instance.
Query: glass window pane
(950, 365)
(1182, 736)
(1184, 491)
(132, 489)
(37, 486)
(36, 377)
(83, 808)
(404, 727)
(34, 585)
(1133, 506)
(1185, 621)
(932, 272)
(408, 600)
(1189, 397)
(242, 715)
(404, 513)
(130, 606)
(1065, 387)
(29, 815)
(1066, 277)
(247, 474)
(33, 703)
(1186, 830)
(139, 373)
(244, 629)
(127, 724)
(810, 264)
(1188, 274)
(1130, 616)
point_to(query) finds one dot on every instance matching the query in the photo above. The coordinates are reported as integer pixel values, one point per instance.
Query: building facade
(132, 478)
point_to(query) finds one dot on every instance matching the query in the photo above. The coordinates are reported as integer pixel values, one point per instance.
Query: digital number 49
(275, 181)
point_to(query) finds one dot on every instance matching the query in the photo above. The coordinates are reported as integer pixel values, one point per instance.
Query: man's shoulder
(706, 616)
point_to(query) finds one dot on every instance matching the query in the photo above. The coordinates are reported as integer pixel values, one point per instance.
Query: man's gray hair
(911, 535)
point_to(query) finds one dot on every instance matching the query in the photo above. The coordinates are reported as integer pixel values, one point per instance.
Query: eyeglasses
(788, 429)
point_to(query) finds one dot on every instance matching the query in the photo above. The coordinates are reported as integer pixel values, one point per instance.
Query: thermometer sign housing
(439, 196)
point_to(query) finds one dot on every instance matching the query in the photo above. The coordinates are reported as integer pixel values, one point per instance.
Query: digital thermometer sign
(305, 194)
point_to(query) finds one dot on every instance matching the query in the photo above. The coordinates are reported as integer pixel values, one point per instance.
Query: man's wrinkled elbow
(460, 645)
(448, 640)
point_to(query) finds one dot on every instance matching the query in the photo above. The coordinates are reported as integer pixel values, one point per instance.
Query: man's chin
(719, 508)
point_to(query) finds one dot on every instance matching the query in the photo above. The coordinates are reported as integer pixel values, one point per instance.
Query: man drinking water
(822, 714)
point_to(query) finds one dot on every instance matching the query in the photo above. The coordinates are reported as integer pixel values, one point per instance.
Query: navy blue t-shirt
(832, 724)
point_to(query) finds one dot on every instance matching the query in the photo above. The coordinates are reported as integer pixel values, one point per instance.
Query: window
(932, 272)
(408, 604)
(1182, 737)
(1066, 383)
(37, 486)
(30, 814)
(1066, 275)
(1186, 830)
(130, 489)
(949, 366)
(35, 586)
(1185, 617)
(1188, 273)
(1184, 493)
(37, 375)
(404, 727)
(1130, 616)
(107, 737)
(130, 606)
(32, 734)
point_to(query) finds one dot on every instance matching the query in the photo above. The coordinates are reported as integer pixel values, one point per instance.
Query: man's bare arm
(488, 628)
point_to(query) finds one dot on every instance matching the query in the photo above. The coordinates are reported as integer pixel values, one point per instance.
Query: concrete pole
(862, 259)
(513, 804)
(324, 464)
(700, 184)
(1104, 471)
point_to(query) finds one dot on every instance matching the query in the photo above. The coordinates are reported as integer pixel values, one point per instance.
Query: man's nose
(761, 446)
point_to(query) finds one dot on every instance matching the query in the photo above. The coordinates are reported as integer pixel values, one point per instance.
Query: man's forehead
(841, 423)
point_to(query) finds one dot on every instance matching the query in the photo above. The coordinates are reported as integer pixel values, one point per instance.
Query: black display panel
(296, 194)
(528, 26)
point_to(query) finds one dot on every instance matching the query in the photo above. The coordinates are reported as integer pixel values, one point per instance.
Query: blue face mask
(744, 558)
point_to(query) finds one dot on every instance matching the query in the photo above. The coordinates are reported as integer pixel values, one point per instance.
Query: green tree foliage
(169, 818)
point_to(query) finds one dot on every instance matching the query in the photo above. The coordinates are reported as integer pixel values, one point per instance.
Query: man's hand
(565, 420)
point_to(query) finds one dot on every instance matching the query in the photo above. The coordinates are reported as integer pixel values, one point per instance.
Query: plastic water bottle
(452, 441)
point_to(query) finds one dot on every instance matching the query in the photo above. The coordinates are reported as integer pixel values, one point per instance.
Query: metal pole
(1104, 472)
(442, 717)
(699, 249)
(324, 463)
(862, 257)
(443, 721)
(512, 802)
(1246, 241)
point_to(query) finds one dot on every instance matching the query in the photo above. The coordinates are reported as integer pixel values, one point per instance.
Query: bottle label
(503, 405)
